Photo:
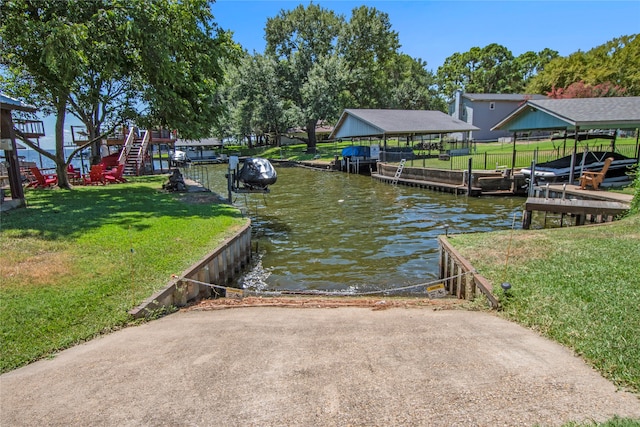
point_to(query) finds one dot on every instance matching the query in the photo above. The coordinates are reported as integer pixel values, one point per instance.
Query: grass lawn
(74, 262)
(485, 155)
(579, 286)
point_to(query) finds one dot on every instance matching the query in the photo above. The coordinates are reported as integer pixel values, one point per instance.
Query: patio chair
(41, 180)
(115, 175)
(96, 176)
(74, 175)
(594, 179)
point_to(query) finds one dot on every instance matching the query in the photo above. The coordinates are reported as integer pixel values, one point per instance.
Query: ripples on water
(320, 230)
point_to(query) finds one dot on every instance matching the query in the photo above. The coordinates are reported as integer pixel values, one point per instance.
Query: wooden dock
(431, 185)
(600, 210)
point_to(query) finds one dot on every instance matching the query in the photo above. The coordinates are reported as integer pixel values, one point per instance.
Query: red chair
(96, 176)
(115, 175)
(73, 174)
(42, 181)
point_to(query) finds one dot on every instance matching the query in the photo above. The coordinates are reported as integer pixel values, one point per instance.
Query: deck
(598, 210)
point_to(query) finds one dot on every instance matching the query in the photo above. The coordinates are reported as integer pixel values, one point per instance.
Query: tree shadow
(63, 214)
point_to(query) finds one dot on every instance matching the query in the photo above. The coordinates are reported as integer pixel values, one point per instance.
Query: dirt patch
(326, 302)
(37, 269)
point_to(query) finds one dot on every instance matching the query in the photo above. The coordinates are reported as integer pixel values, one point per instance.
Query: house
(485, 110)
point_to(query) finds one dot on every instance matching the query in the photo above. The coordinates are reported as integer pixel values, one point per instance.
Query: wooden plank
(576, 207)
(481, 283)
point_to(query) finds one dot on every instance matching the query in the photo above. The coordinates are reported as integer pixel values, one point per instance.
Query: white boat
(198, 151)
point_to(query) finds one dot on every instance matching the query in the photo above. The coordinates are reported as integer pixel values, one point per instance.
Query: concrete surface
(266, 366)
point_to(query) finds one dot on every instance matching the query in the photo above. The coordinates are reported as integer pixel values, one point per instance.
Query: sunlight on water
(321, 230)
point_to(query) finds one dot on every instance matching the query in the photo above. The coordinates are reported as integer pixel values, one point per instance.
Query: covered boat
(559, 170)
(257, 173)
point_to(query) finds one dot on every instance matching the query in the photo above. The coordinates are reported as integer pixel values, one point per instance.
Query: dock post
(526, 219)
(469, 177)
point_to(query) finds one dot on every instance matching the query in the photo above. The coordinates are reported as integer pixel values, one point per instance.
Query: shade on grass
(74, 262)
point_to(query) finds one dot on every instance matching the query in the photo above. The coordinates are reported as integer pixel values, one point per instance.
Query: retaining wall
(459, 276)
(220, 267)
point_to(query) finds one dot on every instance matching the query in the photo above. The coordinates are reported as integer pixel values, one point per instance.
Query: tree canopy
(615, 64)
(153, 61)
(491, 69)
(319, 64)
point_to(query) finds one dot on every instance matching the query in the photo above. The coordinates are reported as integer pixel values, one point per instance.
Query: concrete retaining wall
(219, 267)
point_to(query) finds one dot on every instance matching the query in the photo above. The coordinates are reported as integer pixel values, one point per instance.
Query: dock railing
(459, 276)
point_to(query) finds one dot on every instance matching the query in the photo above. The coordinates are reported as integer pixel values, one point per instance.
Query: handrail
(142, 149)
(127, 146)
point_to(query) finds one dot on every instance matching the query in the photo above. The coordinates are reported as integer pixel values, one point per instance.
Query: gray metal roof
(500, 96)
(586, 113)
(9, 103)
(362, 122)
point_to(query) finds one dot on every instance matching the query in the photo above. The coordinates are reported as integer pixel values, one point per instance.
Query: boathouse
(575, 115)
(359, 123)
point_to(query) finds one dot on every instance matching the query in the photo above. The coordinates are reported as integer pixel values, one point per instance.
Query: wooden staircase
(132, 155)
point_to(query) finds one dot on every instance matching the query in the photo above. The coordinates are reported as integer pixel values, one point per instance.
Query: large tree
(412, 86)
(369, 48)
(299, 40)
(325, 64)
(255, 102)
(154, 61)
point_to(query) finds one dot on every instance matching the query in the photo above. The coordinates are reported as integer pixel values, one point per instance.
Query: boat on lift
(257, 173)
(558, 171)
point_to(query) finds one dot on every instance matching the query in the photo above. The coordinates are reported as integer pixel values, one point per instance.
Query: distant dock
(431, 185)
(583, 205)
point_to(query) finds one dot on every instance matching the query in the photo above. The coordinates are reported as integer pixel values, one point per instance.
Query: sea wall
(219, 267)
(460, 277)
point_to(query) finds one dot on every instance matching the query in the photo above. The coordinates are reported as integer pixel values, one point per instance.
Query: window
(492, 106)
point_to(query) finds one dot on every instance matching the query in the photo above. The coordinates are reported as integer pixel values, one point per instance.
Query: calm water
(321, 230)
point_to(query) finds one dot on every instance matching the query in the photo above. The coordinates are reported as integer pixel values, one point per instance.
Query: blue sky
(434, 30)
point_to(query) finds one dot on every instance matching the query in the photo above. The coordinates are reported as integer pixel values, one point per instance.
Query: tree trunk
(311, 136)
(61, 162)
(96, 155)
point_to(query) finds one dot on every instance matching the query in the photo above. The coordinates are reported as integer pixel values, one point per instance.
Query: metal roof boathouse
(574, 113)
(355, 123)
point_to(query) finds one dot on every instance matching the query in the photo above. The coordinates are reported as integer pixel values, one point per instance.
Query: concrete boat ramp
(276, 366)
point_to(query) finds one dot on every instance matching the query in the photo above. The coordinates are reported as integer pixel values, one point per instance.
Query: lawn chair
(42, 181)
(115, 175)
(594, 179)
(74, 175)
(96, 176)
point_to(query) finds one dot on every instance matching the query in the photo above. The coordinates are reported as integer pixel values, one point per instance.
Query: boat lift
(235, 183)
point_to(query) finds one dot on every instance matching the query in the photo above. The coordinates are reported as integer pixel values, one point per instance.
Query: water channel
(330, 231)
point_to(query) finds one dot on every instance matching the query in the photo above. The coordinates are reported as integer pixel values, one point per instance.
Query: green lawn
(579, 286)
(74, 262)
(486, 156)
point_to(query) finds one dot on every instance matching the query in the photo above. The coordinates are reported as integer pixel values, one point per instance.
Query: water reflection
(319, 230)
